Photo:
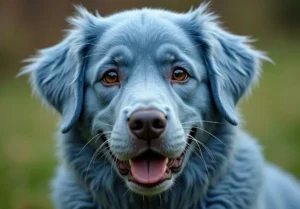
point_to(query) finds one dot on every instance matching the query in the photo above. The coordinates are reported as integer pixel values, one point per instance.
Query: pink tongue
(148, 171)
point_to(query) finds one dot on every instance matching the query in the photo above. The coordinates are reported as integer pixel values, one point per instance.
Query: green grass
(272, 113)
(27, 153)
(26, 148)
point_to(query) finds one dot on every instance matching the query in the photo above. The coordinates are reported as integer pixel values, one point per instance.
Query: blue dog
(147, 99)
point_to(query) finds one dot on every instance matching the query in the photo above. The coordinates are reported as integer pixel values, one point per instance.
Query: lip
(173, 165)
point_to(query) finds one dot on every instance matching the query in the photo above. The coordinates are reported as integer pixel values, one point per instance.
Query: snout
(148, 146)
(147, 124)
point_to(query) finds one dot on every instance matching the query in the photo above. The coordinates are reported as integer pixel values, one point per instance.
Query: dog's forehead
(144, 31)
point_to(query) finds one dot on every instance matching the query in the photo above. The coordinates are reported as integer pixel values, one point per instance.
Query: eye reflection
(110, 77)
(180, 74)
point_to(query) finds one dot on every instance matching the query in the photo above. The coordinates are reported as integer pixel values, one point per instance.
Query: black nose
(147, 124)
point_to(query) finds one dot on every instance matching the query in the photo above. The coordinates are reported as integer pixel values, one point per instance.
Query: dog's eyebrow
(168, 52)
(173, 54)
(119, 59)
(118, 54)
(170, 57)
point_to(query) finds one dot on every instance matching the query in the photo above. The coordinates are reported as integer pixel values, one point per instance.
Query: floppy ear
(57, 73)
(231, 63)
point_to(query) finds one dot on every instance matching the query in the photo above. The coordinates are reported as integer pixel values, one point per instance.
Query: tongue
(148, 171)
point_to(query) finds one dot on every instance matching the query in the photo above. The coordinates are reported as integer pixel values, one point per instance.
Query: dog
(148, 100)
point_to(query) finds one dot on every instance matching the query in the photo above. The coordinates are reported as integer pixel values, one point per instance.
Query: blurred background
(27, 145)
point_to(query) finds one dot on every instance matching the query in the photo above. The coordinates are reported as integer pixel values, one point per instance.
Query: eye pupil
(111, 77)
(179, 75)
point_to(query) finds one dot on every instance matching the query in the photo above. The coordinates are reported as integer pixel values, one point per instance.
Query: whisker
(186, 128)
(96, 136)
(159, 199)
(126, 192)
(106, 156)
(211, 135)
(111, 166)
(94, 156)
(90, 164)
(201, 157)
(99, 151)
(106, 124)
(205, 147)
(202, 121)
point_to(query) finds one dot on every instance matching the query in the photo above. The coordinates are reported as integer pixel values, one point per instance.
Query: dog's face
(142, 81)
(149, 84)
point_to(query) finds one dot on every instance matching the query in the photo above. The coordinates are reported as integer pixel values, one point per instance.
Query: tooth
(130, 162)
(167, 160)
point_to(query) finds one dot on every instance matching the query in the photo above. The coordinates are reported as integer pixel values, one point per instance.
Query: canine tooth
(130, 162)
(167, 160)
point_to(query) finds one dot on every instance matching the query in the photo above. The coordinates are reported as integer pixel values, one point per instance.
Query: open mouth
(150, 168)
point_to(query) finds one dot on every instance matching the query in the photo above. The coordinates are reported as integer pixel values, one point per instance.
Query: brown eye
(179, 74)
(110, 77)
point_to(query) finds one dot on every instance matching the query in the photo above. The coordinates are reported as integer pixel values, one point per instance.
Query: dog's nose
(147, 124)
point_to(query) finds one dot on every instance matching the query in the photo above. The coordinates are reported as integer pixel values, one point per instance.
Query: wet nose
(147, 124)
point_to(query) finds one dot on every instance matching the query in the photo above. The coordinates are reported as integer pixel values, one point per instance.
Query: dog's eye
(179, 74)
(110, 77)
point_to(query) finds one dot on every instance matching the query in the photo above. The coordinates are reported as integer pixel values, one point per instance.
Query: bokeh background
(27, 139)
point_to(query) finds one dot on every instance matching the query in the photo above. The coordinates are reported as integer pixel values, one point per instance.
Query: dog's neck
(109, 191)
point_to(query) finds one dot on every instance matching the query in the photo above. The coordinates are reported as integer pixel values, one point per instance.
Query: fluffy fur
(224, 169)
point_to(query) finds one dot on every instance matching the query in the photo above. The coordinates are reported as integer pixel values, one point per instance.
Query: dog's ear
(232, 65)
(57, 73)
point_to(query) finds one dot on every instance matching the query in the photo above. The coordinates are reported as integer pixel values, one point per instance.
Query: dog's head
(151, 83)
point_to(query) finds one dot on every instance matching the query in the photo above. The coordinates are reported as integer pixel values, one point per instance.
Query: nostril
(158, 124)
(136, 125)
(147, 124)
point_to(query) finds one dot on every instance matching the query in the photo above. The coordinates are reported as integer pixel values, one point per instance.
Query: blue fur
(231, 171)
